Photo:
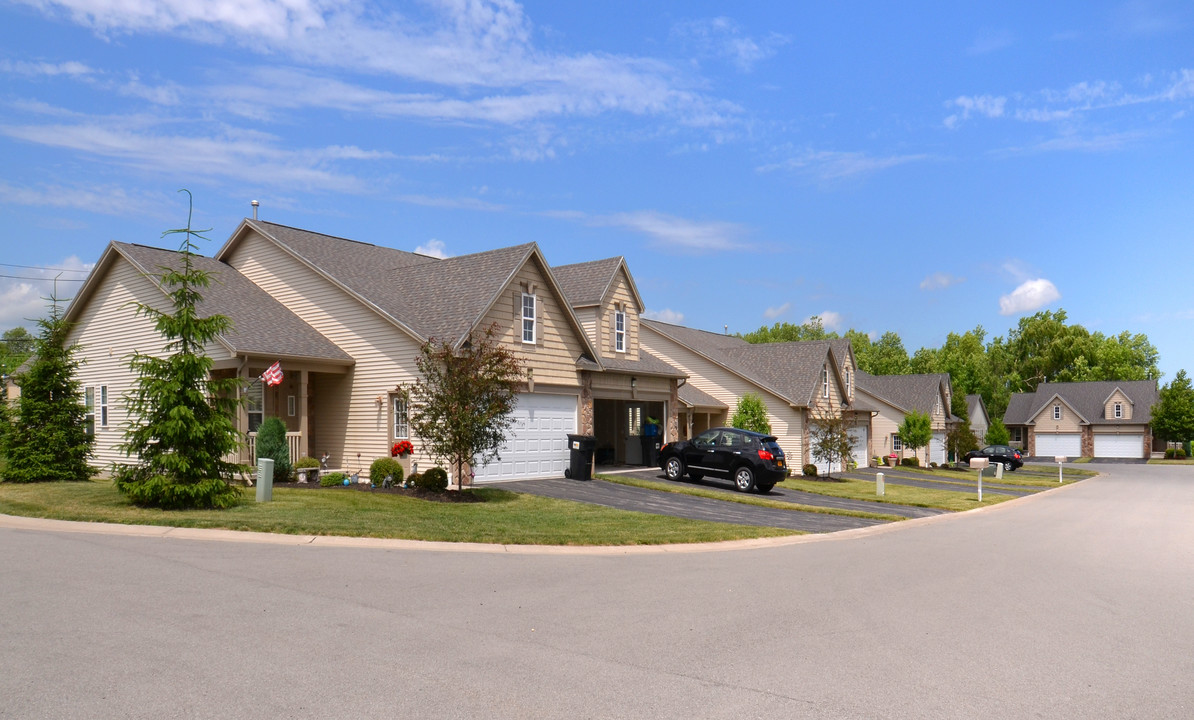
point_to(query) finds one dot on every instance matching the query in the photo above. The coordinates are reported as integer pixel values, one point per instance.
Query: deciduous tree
(1173, 415)
(751, 414)
(916, 431)
(829, 439)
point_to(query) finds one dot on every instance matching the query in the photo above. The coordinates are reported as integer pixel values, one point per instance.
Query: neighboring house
(347, 320)
(798, 381)
(976, 410)
(1104, 419)
(895, 396)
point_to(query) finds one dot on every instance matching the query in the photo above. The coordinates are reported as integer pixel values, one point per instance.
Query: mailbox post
(1059, 459)
(979, 463)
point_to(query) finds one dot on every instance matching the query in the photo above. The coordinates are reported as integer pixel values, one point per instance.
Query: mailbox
(979, 463)
(1059, 459)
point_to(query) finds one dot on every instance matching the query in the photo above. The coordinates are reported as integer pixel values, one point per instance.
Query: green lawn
(957, 500)
(1027, 476)
(743, 498)
(1185, 461)
(505, 517)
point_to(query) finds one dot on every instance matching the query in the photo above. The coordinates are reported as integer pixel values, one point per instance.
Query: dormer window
(824, 382)
(1119, 410)
(847, 382)
(528, 318)
(1056, 412)
(620, 331)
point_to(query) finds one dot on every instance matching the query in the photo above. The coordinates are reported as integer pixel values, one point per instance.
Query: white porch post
(242, 412)
(304, 427)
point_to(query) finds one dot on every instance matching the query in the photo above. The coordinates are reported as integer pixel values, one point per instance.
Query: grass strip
(743, 498)
(955, 500)
(1018, 478)
(1172, 461)
(504, 518)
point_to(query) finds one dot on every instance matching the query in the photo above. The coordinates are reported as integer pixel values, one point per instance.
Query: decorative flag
(273, 375)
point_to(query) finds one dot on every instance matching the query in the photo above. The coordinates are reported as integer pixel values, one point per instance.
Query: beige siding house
(892, 398)
(1105, 419)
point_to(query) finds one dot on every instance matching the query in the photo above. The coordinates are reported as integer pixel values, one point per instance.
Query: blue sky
(924, 168)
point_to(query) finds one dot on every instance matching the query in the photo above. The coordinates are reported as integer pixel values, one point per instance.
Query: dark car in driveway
(754, 461)
(1004, 455)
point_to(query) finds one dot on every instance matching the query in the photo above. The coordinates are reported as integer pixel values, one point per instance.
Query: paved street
(1075, 603)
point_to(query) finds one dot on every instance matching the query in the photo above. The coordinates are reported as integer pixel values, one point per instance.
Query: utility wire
(26, 277)
(39, 267)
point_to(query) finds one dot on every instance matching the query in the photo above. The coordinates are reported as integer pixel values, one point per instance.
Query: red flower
(402, 447)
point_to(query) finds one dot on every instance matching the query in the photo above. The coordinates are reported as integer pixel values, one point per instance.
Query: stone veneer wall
(586, 405)
(1087, 441)
(1030, 442)
(673, 414)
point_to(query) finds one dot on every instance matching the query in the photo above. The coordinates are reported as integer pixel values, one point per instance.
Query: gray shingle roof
(696, 398)
(646, 364)
(907, 392)
(791, 369)
(586, 283)
(261, 324)
(1087, 399)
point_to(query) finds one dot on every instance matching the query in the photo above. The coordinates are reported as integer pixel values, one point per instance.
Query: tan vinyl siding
(787, 423)
(557, 346)
(830, 406)
(1069, 422)
(617, 385)
(883, 425)
(619, 295)
(938, 414)
(1126, 429)
(109, 331)
(1109, 408)
(346, 417)
(588, 320)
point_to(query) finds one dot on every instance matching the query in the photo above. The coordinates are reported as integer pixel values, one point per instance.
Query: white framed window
(1119, 410)
(89, 412)
(847, 382)
(824, 382)
(290, 405)
(1056, 412)
(401, 419)
(255, 405)
(528, 318)
(103, 406)
(1015, 434)
(897, 445)
(620, 331)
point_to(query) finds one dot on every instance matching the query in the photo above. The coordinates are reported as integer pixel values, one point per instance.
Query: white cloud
(830, 320)
(773, 312)
(666, 315)
(676, 231)
(940, 281)
(985, 105)
(830, 165)
(433, 248)
(33, 69)
(722, 37)
(1029, 296)
(24, 300)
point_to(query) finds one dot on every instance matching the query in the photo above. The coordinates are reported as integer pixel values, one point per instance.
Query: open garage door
(538, 444)
(1119, 446)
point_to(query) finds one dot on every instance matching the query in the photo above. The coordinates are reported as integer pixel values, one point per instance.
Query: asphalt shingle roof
(697, 398)
(646, 364)
(260, 324)
(909, 392)
(584, 284)
(1087, 399)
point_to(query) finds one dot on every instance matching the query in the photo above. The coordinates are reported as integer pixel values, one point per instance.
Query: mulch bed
(450, 496)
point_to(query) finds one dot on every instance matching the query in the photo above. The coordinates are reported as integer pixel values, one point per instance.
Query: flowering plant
(402, 447)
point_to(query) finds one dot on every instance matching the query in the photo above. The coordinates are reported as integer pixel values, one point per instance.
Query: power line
(47, 279)
(38, 267)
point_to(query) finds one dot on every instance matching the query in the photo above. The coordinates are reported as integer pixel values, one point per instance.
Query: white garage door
(1119, 446)
(858, 446)
(937, 449)
(538, 444)
(1050, 444)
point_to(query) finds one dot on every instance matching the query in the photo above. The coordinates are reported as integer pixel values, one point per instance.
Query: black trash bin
(650, 450)
(580, 457)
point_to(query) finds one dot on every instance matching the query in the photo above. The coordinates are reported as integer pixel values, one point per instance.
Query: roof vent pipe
(254, 203)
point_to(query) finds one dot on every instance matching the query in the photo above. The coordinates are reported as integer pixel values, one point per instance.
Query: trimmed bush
(932, 464)
(434, 480)
(809, 470)
(332, 479)
(385, 466)
(271, 443)
(306, 461)
(1179, 454)
(414, 479)
(910, 462)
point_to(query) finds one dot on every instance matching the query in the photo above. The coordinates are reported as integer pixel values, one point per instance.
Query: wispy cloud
(985, 105)
(1029, 296)
(672, 231)
(433, 248)
(25, 300)
(665, 315)
(451, 203)
(940, 281)
(44, 69)
(773, 312)
(107, 200)
(724, 38)
(989, 41)
(828, 165)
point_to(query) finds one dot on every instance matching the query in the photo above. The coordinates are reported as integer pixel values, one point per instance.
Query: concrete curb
(16, 522)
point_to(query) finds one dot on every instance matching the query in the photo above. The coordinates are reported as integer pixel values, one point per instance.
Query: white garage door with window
(538, 444)
(1118, 446)
(1050, 444)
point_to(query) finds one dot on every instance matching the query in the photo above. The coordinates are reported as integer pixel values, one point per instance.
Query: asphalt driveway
(625, 497)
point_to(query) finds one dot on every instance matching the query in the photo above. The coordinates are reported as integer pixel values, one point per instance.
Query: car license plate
(779, 463)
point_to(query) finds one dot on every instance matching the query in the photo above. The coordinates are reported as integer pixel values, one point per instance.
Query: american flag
(273, 375)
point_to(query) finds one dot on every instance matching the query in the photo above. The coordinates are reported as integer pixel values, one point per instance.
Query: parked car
(754, 461)
(997, 454)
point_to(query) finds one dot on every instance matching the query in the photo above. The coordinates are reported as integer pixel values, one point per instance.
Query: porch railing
(292, 442)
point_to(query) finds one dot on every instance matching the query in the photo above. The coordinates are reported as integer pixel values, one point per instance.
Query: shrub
(932, 464)
(306, 461)
(876, 461)
(414, 479)
(910, 462)
(271, 443)
(1179, 454)
(385, 466)
(809, 470)
(434, 480)
(332, 479)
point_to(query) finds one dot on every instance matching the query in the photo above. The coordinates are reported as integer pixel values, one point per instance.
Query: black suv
(754, 461)
(1008, 456)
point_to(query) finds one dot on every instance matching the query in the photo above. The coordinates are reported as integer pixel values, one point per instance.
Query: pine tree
(47, 439)
(182, 421)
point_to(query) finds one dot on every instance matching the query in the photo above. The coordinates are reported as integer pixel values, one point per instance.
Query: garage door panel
(538, 444)
(1049, 444)
(1119, 446)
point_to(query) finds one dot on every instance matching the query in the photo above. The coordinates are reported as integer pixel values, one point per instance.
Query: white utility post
(265, 479)
(1059, 459)
(879, 489)
(998, 471)
(979, 463)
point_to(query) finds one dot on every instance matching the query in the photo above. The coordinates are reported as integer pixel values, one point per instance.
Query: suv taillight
(765, 455)
(1017, 456)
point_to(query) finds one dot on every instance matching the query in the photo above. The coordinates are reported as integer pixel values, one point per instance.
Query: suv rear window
(770, 445)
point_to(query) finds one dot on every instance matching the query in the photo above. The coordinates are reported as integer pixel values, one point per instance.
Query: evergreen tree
(997, 433)
(272, 444)
(47, 439)
(182, 421)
